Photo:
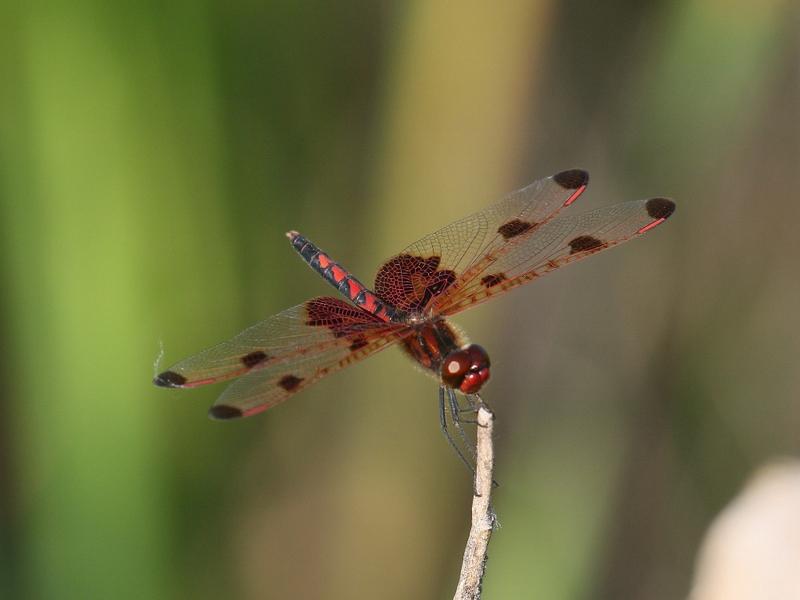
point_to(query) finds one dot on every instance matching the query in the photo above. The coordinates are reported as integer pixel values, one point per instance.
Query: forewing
(563, 240)
(413, 278)
(318, 329)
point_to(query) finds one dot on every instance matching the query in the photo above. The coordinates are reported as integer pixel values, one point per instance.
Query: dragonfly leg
(455, 412)
(446, 431)
(473, 407)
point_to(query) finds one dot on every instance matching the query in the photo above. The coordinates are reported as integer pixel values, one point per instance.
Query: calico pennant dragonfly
(471, 260)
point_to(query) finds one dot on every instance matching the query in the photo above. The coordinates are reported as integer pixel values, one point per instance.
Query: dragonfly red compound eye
(466, 369)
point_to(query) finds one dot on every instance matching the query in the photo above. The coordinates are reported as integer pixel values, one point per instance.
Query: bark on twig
(483, 517)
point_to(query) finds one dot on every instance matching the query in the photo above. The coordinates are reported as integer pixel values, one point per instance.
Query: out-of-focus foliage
(153, 154)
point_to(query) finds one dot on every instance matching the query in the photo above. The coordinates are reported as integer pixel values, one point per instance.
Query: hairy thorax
(438, 348)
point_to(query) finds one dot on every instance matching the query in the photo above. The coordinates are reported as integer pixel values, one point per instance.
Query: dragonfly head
(466, 369)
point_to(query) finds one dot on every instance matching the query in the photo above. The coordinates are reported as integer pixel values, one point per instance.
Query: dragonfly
(481, 256)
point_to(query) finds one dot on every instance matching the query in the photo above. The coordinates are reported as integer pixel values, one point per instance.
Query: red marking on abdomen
(369, 302)
(338, 273)
(651, 225)
(324, 261)
(355, 289)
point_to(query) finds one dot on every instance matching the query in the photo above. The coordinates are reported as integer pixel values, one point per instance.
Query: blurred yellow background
(153, 154)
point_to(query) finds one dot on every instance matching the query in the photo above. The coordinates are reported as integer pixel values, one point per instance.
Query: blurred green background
(151, 157)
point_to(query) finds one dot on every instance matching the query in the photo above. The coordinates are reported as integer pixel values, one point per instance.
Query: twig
(483, 517)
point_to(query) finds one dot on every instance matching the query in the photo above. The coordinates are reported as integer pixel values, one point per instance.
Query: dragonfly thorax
(437, 346)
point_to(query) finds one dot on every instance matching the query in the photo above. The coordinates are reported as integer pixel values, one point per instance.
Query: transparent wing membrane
(563, 240)
(412, 279)
(302, 343)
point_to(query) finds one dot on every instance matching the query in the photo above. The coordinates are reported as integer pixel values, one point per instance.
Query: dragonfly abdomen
(340, 278)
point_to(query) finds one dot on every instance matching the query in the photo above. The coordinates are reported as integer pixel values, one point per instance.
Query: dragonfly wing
(264, 388)
(561, 241)
(414, 277)
(317, 333)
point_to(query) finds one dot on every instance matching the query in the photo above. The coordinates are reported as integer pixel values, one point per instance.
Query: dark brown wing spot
(493, 280)
(572, 179)
(660, 208)
(169, 379)
(513, 228)
(583, 243)
(289, 382)
(254, 358)
(224, 413)
(358, 342)
(410, 282)
(337, 315)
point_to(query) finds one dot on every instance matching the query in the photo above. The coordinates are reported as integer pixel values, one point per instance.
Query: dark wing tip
(169, 379)
(572, 179)
(223, 412)
(660, 208)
